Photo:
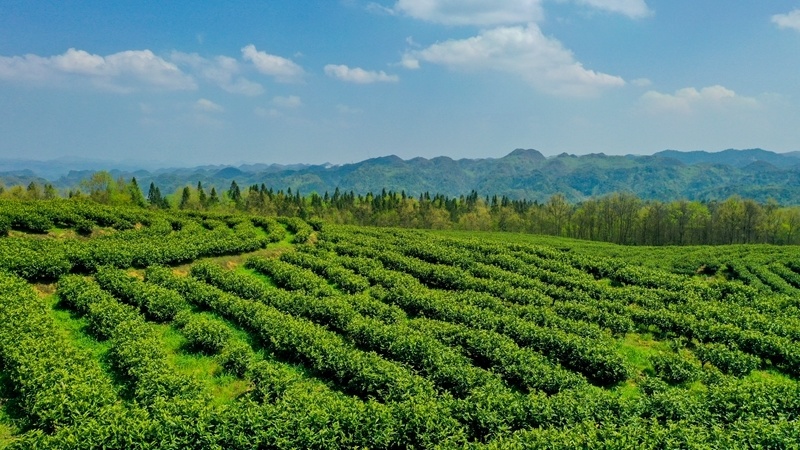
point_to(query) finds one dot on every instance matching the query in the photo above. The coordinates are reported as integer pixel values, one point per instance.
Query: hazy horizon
(133, 164)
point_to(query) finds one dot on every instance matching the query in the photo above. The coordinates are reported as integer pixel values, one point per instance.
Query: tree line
(621, 218)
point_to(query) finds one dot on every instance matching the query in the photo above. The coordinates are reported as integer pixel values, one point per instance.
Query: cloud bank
(124, 71)
(512, 42)
(521, 51)
(132, 70)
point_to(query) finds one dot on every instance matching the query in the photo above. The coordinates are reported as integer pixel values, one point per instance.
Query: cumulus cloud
(282, 69)
(522, 51)
(205, 105)
(358, 75)
(220, 70)
(689, 99)
(498, 12)
(124, 71)
(788, 20)
(471, 12)
(635, 9)
(291, 101)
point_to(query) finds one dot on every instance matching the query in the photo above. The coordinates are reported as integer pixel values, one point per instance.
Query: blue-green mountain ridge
(524, 173)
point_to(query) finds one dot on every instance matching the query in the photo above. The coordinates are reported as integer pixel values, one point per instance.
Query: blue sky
(340, 81)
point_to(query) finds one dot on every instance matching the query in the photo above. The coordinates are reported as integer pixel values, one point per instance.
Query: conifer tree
(185, 196)
(153, 195)
(234, 193)
(213, 198)
(136, 194)
(201, 195)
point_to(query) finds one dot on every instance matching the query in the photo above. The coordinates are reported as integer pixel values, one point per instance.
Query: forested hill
(667, 175)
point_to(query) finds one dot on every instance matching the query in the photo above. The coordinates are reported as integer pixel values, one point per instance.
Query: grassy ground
(222, 387)
(637, 349)
(74, 329)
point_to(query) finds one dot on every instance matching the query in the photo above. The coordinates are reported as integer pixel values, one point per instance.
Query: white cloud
(522, 51)
(358, 75)
(81, 62)
(498, 12)
(410, 62)
(689, 99)
(282, 69)
(221, 70)
(471, 12)
(28, 67)
(788, 20)
(291, 101)
(641, 82)
(205, 105)
(635, 9)
(124, 71)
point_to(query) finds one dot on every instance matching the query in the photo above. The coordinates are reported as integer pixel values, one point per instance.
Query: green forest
(620, 218)
(131, 327)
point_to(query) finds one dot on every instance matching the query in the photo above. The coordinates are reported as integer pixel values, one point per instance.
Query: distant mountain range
(670, 174)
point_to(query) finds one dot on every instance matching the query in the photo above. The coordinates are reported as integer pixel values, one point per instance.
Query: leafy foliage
(674, 368)
(386, 338)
